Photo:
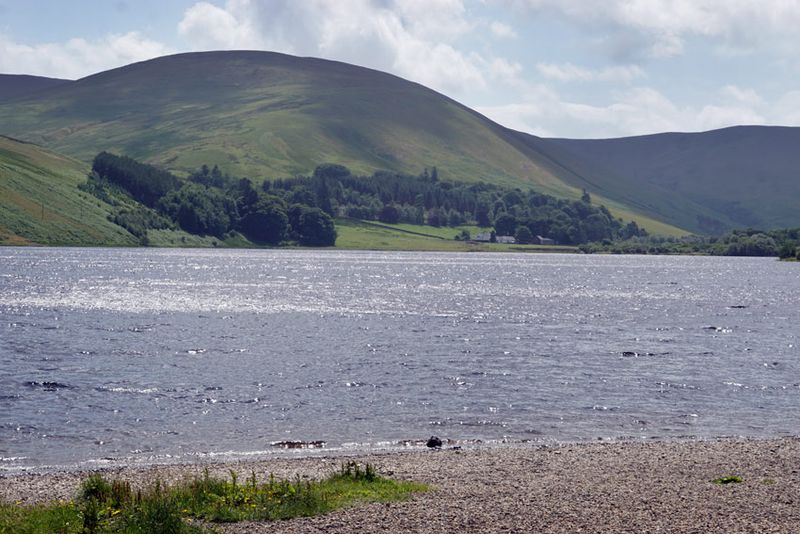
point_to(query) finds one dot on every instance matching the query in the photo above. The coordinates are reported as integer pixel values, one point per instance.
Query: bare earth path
(603, 487)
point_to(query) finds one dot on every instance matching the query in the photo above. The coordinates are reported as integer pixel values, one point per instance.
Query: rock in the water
(434, 442)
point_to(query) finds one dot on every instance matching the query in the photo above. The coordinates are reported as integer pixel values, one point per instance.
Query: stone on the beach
(434, 442)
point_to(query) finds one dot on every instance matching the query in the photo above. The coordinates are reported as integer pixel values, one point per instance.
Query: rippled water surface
(140, 355)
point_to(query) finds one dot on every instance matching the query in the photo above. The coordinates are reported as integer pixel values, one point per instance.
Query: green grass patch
(58, 517)
(359, 235)
(113, 506)
(366, 235)
(440, 232)
(730, 479)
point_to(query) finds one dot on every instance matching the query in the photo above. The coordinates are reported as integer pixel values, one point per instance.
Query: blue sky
(566, 68)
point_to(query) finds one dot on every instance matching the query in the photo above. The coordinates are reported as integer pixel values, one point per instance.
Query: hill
(40, 201)
(708, 182)
(267, 115)
(17, 85)
(262, 115)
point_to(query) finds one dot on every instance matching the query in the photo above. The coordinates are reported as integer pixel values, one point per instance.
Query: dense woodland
(209, 203)
(426, 199)
(302, 210)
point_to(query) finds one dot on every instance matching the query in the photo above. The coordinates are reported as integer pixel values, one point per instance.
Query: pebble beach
(598, 487)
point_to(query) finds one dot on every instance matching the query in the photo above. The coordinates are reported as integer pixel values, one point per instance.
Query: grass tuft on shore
(113, 506)
(731, 479)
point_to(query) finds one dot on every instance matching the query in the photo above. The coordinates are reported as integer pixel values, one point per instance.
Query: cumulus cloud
(501, 30)
(787, 108)
(744, 95)
(415, 39)
(567, 72)
(76, 58)
(639, 111)
(665, 25)
(210, 26)
(714, 116)
(509, 72)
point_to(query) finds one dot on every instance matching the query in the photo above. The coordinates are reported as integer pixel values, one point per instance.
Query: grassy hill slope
(41, 203)
(747, 176)
(265, 115)
(18, 85)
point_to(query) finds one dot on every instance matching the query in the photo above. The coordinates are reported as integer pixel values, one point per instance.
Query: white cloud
(666, 45)
(507, 71)
(567, 72)
(440, 20)
(743, 95)
(639, 111)
(713, 116)
(415, 39)
(76, 58)
(533, 115)
(504, 31)
(666, 24)
(211, 26)
(786, 109)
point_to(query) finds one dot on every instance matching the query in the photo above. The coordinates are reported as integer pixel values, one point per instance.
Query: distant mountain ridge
(267, 115)
(19, 85)
(738, 177)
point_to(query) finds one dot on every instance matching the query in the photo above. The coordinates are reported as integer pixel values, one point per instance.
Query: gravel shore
(598, 487)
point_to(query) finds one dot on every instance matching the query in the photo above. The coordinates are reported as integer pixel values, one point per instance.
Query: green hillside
(262, 114)
(40, 201)
(266, 115)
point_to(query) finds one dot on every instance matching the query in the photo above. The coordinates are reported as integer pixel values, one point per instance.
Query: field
(363, 235)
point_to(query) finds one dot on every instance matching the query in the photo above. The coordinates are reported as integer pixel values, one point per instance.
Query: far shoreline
(564, 250)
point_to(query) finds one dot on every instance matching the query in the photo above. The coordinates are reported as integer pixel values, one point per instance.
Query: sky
(554, 68)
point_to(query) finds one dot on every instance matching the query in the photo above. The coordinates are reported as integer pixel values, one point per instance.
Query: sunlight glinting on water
(114, 355)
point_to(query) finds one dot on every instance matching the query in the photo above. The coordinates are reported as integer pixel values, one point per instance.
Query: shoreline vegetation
(238, 211)
(724, 485)
(123, 202)
(194, 505)
(51, 200)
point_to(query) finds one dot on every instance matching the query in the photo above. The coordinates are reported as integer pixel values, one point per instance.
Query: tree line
(302, 208)
(426, 199)
(208, 203)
